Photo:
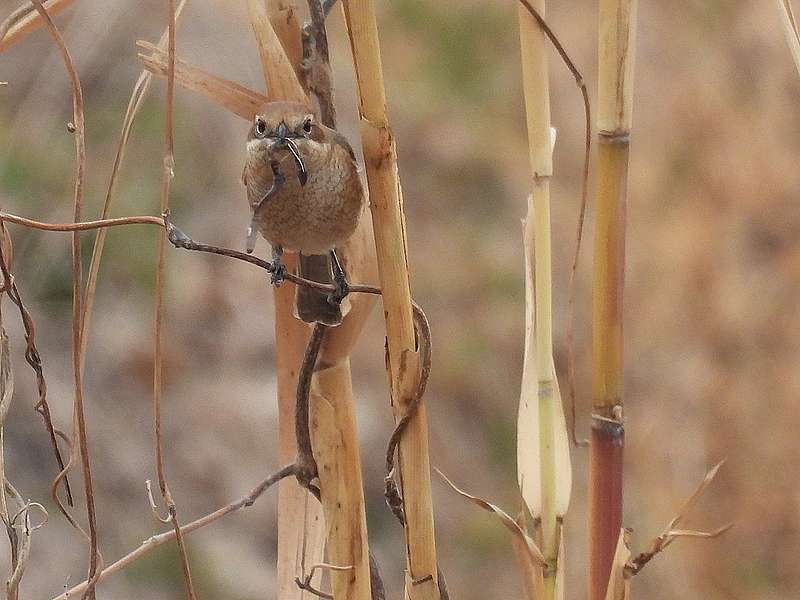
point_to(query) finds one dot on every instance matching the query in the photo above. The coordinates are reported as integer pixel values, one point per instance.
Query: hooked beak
(282, 133)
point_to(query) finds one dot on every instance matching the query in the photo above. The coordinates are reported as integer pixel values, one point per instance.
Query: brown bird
(306, 196)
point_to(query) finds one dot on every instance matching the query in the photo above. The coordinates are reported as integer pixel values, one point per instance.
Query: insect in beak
(302, 174)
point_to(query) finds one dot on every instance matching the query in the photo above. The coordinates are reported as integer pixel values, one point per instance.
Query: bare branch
(162, 538)
(670, 533)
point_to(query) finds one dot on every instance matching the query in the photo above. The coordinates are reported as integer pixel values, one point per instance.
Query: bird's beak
(282, 131)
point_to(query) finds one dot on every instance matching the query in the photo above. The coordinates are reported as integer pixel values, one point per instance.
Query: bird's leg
(278, 268)
(278, 179)
(339, 280)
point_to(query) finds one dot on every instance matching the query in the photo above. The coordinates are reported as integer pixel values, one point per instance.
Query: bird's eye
(261, 127)
(308, 124)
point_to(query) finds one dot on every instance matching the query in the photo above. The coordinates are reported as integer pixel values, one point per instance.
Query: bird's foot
(342, 287)
(279, 271)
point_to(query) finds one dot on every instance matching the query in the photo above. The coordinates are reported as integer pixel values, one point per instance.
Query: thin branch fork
(672, 531)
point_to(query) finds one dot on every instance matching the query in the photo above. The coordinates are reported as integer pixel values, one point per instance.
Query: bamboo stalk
(617, 19)
(301, 534)
(390, 243)
(546, 491)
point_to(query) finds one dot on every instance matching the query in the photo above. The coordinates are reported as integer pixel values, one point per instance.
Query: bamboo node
(378, 142)
(618, 136)
(612, 427)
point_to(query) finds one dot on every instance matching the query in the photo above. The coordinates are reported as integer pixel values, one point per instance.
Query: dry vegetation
(165, 365)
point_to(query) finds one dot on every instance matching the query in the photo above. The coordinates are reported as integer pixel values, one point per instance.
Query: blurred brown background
(711, 301)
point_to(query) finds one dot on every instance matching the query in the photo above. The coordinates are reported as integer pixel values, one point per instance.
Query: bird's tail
(313, 305)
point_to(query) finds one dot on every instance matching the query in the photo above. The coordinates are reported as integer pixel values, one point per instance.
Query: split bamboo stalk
(301, 532)
(390, 242)
(544, 469)
(333, 426)
(617, 21)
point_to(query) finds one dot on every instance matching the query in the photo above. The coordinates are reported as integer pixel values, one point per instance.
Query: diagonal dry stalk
(390, 243)
(617, 22)
(162, 538)
(25, 20)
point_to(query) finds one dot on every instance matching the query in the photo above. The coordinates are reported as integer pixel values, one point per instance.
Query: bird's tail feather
(312, 305)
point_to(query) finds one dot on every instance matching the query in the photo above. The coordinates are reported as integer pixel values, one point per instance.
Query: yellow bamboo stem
(388, 222)
(538, 248)
(617, 19)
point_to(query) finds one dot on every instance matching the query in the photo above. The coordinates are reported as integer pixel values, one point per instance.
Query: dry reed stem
(157, 540)
(26, 20)
(279, 73)
(301, 534)
(390, 242)
(166, 179)
(95, 561)
(284, 19)
(617, 21)
(134, 104)
(333, 428)
(544, 470)
(565, 58)
(790, 30)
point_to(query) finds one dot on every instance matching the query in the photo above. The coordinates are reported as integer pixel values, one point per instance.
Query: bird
(306, 196)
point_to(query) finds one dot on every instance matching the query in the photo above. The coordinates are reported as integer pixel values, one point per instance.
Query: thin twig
(671, 532)
(32, 356)
(162, 538)
(392, 493)
(166, 179)
(82, 225)
(305, 583)
(77, 313)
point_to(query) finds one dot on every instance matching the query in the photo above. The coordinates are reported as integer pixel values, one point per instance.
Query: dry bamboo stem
(390, 242)
(332, 409)
(538, 254)
(616, 58)
(300, 521)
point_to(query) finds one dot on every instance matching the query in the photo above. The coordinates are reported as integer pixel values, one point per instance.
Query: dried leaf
(619, 582)
(530, 546)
